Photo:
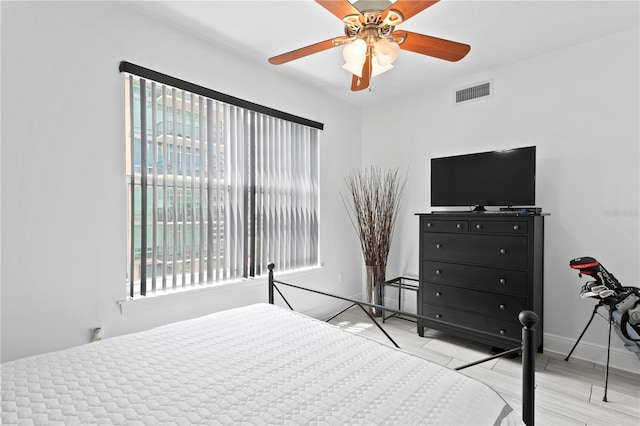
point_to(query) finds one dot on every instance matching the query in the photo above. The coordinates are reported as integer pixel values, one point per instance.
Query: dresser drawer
(441, 225)
(504, 328)
(491, 250)
(494, 305)
(503, 281)
(499, 227)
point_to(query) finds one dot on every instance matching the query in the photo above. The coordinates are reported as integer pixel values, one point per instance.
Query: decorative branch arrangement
(372, 208)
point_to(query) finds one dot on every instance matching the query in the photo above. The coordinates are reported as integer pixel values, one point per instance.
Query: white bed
(259, 364)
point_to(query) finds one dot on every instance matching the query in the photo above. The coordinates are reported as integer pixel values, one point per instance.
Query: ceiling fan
(371, 41)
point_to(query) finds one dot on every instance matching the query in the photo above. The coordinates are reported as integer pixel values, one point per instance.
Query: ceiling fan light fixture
(355, 51)
(354, 68)
(386, 51)
(355, 54)
(377, 69)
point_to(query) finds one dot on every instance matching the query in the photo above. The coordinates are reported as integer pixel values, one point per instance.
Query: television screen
(496, 178)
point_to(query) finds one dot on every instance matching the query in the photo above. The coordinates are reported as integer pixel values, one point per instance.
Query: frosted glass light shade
(355, 54)
(353, 68)
(377, 69)
(386, 51)
(355, 51)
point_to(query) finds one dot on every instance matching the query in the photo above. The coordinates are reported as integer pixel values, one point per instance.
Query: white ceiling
(499, 32)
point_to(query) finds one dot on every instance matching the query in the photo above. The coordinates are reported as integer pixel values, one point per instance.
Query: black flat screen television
(496, 178)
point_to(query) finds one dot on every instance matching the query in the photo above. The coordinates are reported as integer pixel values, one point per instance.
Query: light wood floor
(567, 392)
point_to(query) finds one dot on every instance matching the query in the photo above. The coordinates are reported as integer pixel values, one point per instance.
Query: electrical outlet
(96, 333)
(341, 277)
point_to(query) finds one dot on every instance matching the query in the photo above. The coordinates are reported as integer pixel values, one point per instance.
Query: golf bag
(623, 302)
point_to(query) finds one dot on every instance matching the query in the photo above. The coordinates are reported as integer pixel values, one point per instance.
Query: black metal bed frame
(528, 319)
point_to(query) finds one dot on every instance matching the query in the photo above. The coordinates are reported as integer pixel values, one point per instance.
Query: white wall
(63, 186)
(579, 106)
(62, 174)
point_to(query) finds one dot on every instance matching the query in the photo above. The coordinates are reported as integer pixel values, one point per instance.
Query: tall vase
(375, 278)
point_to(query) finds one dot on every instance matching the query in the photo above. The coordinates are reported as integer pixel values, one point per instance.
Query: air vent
(477, 91)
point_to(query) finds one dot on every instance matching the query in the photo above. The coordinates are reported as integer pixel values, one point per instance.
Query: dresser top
(481, 214)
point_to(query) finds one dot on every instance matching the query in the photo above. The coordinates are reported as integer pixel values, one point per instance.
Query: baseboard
(619, 359)
(330, 307)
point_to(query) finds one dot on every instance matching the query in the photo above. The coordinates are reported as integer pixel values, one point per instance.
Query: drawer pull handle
(438, 294)
(438, 271)
(503, 251)
(438, 316)
(459, 226)
(478, 226)
(438, 246)
(516, 227)
(503, 307)
(503, 332)
(502, 281)
(429, 225)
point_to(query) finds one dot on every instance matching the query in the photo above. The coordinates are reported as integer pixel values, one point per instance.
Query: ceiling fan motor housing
(354, 25)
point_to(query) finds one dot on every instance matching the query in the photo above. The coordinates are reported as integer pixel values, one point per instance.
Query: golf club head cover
(590, 266)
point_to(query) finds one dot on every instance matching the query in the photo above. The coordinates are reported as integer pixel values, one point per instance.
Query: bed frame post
(528, 319)
(270, 267)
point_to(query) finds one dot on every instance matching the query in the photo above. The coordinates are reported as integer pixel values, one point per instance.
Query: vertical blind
(215, 191)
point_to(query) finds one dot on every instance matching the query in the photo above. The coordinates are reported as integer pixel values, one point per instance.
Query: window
(215, 190)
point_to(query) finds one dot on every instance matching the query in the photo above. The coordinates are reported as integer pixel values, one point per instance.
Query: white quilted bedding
(254, 365)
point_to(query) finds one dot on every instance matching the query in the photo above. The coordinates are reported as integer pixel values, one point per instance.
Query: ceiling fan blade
(432, 46)
(339, 8)
(361, 83)
(409, 8)
(305, 51)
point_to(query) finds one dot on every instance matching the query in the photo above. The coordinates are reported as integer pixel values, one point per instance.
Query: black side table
(401, 283)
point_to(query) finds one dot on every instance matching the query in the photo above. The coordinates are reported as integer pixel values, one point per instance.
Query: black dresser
(478, 271)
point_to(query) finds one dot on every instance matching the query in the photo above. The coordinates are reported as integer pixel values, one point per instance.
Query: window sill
(227, 289)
